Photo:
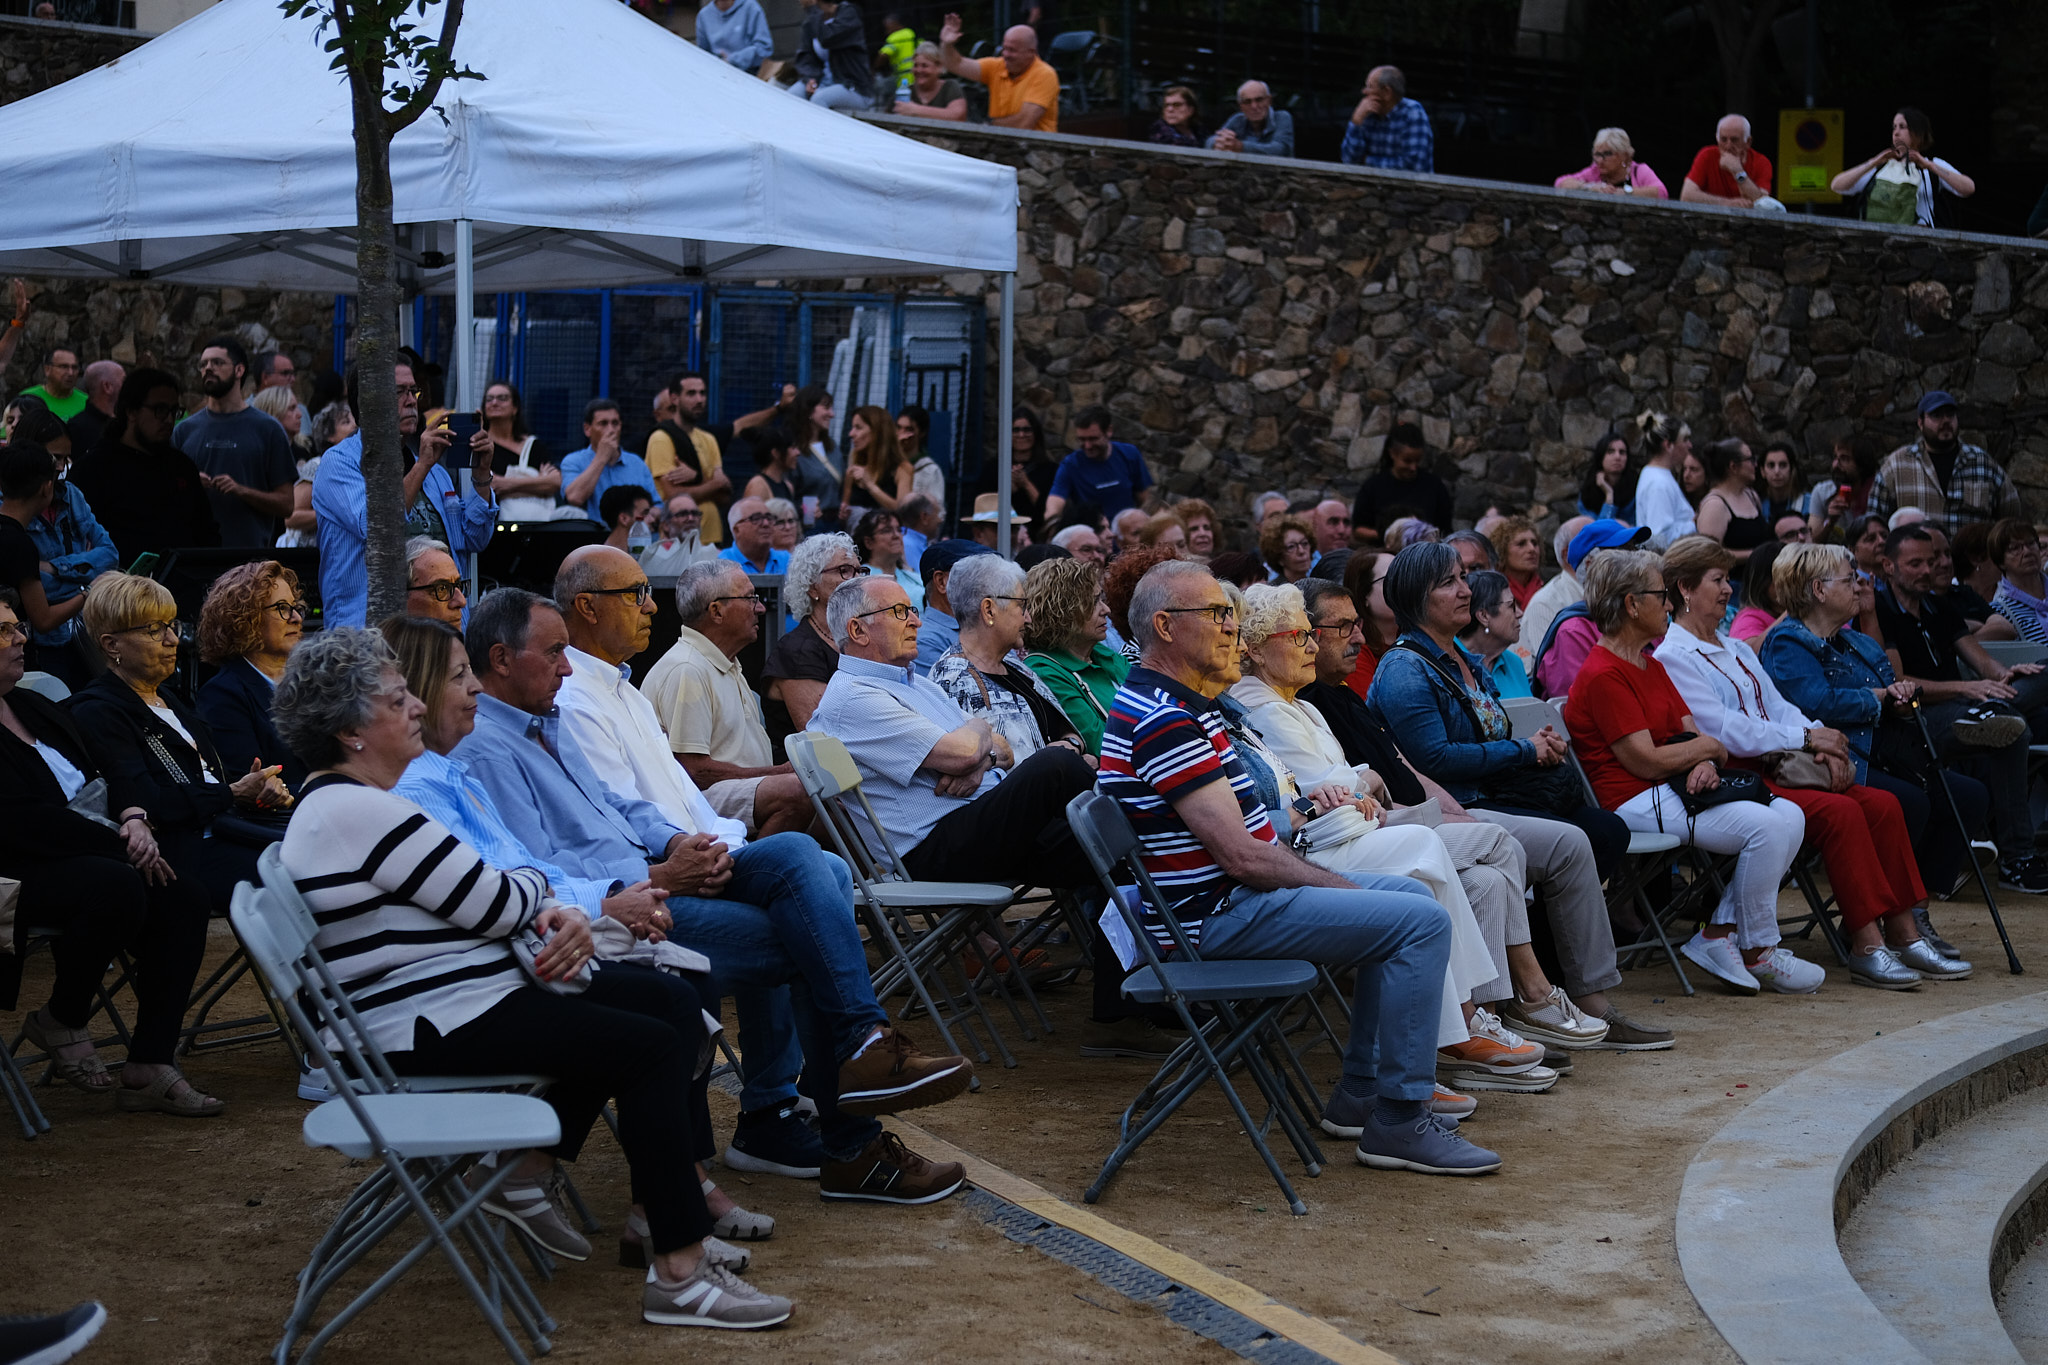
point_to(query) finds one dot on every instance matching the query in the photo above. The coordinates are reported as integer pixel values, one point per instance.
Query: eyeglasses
(846, 571)
(1601, 153)
(499, 397)
(12, 632)
(441, 590)
(410, 390)
(1298, 638)
(753, 597)
(1002, 597)
(287, 610)
(693, 514)
(1339, 630)
(788, 521)
(160, 629)
(1664, 593)
(642, 592)
(758, 519)
(1222, 613)
(902, 611)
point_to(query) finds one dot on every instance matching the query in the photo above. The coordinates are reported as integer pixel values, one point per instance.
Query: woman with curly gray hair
(419, 929)
(805, 658)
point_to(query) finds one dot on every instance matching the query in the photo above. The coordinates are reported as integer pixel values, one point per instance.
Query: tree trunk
(377, 305)
(1741, 28)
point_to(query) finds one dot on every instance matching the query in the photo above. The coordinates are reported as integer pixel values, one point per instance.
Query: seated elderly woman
(804, 658)
(1614, 169)
(435, 664)
(1446, 711)
(252, 620)
(1281, 650)
(985, 674)
(419, 928)
(1839, 677)
(1495, 631)
(89, 867)
(1859, 829)
(209, 818)
(1641, 747)
(1065, 629)
(2022, 586)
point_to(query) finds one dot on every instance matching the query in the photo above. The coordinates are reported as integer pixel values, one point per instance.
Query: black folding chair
(1244, 997)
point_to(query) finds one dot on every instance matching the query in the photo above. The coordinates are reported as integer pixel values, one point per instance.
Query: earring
(359, 746)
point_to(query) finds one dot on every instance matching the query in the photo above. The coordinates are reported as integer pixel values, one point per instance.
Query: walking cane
(2012, 959)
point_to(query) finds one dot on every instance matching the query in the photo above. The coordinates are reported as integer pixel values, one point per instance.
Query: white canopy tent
(599, 150)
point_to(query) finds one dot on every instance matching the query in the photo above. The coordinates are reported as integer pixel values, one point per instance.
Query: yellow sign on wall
(1809, 155)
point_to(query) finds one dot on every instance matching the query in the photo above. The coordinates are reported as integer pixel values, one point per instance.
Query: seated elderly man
(434, 583)
(712, 718)
(1730, 173)
(955, 801)
(1239, 891)
(779, 913)
(1257, 127)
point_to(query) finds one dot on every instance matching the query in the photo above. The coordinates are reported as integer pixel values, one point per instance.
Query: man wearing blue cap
(1953, 482)
(1572, 634)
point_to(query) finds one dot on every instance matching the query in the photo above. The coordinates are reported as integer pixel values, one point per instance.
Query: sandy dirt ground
(191, 1232)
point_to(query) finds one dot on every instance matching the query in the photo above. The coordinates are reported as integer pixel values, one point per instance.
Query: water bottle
(637, 539)
(903, 91)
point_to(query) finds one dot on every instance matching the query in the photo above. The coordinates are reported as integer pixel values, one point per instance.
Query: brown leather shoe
(887, 1172)
(892, 1075)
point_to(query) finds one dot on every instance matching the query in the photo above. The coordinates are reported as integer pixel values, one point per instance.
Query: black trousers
(100, 906)
(614, 1041)
(1938, 845)
(1016, 833)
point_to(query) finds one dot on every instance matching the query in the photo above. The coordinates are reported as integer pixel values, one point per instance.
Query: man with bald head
(1730, 173)
(434, 586)
(1332, 522)
(1082, 543)
(102, 382)
(1387, 129)
(1023, 91)
(1257, 127)
(948, 789)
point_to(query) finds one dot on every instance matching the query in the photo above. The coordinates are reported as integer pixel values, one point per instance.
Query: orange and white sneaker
(1495, 1057)
(1448, 1103)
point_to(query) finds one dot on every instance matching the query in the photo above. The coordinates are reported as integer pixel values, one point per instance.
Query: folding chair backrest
(1106, 836)
(2011, 652)
(47, 685)
(285, 899)
(1527, 715)
(832, 780)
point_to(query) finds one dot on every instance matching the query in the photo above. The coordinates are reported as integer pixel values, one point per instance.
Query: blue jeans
(786, 919)
(1397, 937)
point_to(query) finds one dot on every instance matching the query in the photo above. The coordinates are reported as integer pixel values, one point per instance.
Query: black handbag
(1737, 784)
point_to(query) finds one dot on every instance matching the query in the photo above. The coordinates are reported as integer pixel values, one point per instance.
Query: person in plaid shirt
(1952, 482)
(1388, 129)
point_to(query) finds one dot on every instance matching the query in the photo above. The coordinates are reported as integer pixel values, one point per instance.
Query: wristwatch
(1741, 176)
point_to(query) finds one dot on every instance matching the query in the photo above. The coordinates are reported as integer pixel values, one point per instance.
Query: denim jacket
(1418, 705)
(1831, 680)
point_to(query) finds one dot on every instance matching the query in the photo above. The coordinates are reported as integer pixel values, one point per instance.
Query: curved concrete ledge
(1762, 1203)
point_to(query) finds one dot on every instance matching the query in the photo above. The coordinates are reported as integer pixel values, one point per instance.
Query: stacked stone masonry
(1258, 325)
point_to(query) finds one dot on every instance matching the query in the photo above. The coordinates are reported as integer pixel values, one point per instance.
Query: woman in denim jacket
(1842, 679)
(1417, 696)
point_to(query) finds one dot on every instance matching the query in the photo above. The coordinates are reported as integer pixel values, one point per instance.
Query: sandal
(156, 1098)
(740, 1225)
(87, 1073)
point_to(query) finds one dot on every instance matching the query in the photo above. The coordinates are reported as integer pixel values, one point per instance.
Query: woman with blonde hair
(253, 618)
(1066, 634)
(877, 475)
(1614, 170)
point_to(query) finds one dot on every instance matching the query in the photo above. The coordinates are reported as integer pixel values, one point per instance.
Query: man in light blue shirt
(462, 521)
(443, 789)
(589, 473)
(949, 790)
(735, 32)
(753, 538)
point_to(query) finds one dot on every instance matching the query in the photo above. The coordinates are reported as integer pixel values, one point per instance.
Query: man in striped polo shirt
(1240, 892)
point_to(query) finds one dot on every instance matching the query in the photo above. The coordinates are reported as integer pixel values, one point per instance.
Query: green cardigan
(1084, 687)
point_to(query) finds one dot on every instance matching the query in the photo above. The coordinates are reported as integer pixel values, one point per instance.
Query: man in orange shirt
(1023, 92)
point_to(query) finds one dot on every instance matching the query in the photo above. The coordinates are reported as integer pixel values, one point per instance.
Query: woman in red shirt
(1627, 720)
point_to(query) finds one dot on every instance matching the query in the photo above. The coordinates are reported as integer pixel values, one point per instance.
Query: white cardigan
(1297, 732)
(1731, 697)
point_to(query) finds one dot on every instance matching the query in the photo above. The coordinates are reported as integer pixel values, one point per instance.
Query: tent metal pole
(1006, 375)
(462, 400)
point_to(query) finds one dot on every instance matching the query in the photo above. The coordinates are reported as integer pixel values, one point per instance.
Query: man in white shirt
(1554, 596)
(681, 543)
(712, 718)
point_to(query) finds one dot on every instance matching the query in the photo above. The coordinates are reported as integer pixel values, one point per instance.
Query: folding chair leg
(1651, 918)
(22, 1099)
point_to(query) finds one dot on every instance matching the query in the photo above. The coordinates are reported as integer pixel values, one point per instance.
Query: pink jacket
(1640, 176)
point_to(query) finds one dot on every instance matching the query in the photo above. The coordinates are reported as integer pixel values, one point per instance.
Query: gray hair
(1316, 591)
(928, 49)
(1392, 78)
(980, 576)
(806, 562)
(418, 548)
(782, 509)
(1487, 552)
(1265, 606)
(1562, 539)
(698, 584)
(1413, 575)
(324, 423)
(576, 578)
(1066, 539)
(916, 506)
(1615, 140)
(328, 684)
(1155, 591)
(501, 616)
(1259, 504)
(847, 601)
(1611, 576)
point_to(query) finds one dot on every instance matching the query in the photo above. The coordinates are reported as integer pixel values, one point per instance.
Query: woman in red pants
(1860, 830)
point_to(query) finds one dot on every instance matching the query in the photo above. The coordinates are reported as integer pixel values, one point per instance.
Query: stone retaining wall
(1259, 325)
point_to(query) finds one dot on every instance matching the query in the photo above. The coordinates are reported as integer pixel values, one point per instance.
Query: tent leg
(460, 396)
(1006, 378)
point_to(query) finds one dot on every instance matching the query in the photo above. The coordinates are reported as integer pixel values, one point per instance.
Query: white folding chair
(2010, 652)
(1647, 853)
(914, 958)
(423, 1143)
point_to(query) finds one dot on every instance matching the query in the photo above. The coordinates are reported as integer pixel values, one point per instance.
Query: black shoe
(51, 1337)
(2026, 875)
(1987, 727)
(1934, 940)
(775, 1142)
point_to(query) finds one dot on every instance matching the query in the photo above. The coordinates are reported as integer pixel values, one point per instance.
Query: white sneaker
(1721, 957)
(1554, 1020)
(1786, 974)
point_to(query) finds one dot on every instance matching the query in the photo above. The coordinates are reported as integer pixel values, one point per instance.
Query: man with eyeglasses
(712, 718)
(58, 389)
(242, 451)
(573, 757)
(276, 370)
(680, 543)
(146, 493)
(463, 519)
(955, 801)
(753, 539)
(1257, 127)
(1239, 891)
(434, 586)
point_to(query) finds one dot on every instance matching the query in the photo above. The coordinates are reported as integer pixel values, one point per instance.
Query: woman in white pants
(1636, 738)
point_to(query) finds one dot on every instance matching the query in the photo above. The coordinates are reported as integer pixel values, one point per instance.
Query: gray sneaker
(1931, 935)
(1923, 957)
(1881, 967)
(713, 1297)
(1426, 1145)
(527, 1205)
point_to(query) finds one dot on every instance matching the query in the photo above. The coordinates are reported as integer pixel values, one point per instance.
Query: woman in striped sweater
(418, 928)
